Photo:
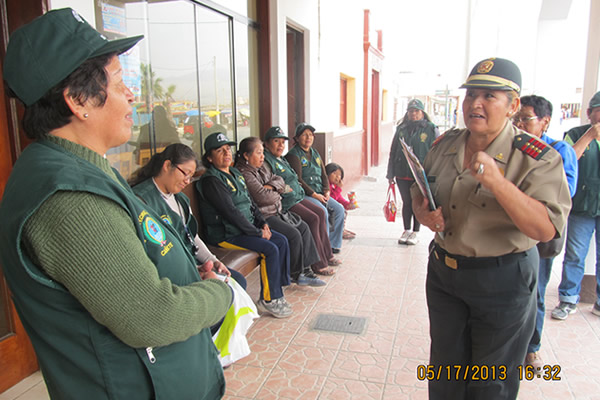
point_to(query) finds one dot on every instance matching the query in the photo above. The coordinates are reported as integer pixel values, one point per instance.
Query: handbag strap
(392, 188)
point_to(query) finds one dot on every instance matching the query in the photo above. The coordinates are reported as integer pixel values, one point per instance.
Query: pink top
(336, 193)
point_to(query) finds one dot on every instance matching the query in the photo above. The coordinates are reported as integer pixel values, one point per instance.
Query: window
(347, 100)
(190, 73)
(343, 101)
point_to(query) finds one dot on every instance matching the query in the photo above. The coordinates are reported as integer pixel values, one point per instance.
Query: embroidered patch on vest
(279, 167)
(233, 189)
(304, 161)
(423, 137)
(531, 146)
(153, 231)
(167, 219)
(242, 181)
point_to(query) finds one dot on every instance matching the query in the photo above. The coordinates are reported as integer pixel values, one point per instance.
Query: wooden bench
(243, 261)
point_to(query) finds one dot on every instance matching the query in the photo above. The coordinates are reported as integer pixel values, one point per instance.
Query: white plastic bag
(230, 339)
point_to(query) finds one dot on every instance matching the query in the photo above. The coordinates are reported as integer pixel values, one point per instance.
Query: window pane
(214, 73)
(245, 123)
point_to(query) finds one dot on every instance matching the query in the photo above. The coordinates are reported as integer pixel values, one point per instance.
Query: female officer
(110, 297)
(499, 191)
(232, 220)
(309, 167)
(159, 184)
(417, 130)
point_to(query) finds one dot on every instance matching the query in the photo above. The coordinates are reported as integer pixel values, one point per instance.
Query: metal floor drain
(340, 323)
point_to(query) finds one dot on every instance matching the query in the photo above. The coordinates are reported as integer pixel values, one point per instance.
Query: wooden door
(17, 359)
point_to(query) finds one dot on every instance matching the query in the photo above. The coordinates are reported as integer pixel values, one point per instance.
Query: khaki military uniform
(476, 224)
(482, 274)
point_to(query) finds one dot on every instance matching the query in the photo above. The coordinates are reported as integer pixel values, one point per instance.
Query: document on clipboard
(418, 173)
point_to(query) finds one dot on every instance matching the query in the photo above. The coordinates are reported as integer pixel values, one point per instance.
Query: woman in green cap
(498, 191)
(232, 220)
(109, 295)
(417, 130)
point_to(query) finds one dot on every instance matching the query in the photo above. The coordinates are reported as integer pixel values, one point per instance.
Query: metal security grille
(340, 323)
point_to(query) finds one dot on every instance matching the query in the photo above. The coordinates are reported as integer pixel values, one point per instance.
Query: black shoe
(335, 251)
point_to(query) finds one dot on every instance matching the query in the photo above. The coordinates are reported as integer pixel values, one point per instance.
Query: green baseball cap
(216, 140)
(494, 73)
(416, 104)
(595, 101)
(302, 127)
(45, 51)
(275, 132)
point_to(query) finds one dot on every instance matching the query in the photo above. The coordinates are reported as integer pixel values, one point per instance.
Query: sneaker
(404, 237)
(335, 251)
(412, 239)
(309, 279)
(534, 360)
(563, 310)
(279, 308)
(596, 309)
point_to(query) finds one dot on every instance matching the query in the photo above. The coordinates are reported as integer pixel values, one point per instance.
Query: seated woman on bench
(159, 184)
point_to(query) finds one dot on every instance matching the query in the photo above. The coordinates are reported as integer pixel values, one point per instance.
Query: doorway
(295, 78)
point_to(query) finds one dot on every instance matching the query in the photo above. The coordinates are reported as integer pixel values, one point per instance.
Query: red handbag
(389, 209)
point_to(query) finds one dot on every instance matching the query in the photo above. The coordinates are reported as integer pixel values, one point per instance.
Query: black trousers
(303, 251)
(407, 211)
(480, 319)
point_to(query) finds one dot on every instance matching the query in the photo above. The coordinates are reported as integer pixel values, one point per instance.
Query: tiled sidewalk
(384, 282)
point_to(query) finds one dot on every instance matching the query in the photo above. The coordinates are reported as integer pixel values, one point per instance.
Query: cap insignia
(485, 67)
(221, 137)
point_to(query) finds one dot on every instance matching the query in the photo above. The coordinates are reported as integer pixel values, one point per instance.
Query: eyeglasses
(523, 120)
(186, 176)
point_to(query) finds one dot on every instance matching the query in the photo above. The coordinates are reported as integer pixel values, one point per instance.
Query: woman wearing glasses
(534, 117)
(159, 184)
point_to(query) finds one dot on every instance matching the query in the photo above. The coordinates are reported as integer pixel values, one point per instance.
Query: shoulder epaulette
(444, 135)
(531, 146)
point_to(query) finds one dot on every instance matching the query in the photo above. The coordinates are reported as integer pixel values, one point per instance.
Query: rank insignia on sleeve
(531, 146)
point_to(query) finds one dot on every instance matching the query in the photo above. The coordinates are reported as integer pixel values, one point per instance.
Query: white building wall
(333, 33)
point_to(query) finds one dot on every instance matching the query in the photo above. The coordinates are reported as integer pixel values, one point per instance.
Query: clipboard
(418, 173)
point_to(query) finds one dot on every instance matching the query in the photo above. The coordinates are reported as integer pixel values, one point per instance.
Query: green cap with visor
(45, 51)
(216, 140)
(275, 132)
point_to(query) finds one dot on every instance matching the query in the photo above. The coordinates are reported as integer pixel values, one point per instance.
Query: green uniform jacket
(419, 136)
(281, 167)
(311, 169)
(217, 227)
(586, 201)
(148, 192)
(80, 358)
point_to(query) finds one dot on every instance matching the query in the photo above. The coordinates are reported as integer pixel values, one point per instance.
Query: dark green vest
(80, 358)
(311, 169)
(148, 192)
(586, 201)
(217, 227)
(283, 168)
(419, 137)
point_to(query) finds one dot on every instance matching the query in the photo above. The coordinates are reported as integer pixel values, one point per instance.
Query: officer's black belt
(461, 262)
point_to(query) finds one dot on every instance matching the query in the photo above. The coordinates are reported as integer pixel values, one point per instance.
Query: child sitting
(335, 174)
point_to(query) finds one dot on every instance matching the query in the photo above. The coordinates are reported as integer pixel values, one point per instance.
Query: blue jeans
(579, 233)
(335, 235)
(543, 278)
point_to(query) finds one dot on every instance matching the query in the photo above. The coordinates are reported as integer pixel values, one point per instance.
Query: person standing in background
(534, 117)
(417, 130)
(584, 218)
